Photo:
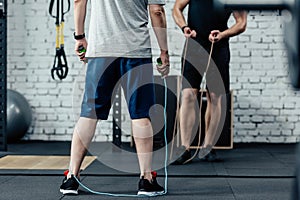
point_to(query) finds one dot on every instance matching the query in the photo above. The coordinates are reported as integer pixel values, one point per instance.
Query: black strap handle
(61, 70)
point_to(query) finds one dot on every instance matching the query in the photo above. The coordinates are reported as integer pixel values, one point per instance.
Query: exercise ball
(19, 116)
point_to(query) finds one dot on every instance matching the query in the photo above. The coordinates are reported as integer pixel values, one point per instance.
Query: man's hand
(238, 28)
(164, 69)
(188, 32)
(78, 44)
(215, 36)
(79, 19)
(159, 24)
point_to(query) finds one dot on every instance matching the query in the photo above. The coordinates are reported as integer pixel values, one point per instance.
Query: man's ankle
(187, 148)
(147, 176)
(70, 175)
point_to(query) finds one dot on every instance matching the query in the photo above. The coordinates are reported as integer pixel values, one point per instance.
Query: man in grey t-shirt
(119, 51)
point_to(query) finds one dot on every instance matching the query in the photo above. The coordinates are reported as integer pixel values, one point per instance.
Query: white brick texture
(266, 108)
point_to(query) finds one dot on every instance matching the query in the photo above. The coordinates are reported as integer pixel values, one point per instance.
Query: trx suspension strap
(60, 66)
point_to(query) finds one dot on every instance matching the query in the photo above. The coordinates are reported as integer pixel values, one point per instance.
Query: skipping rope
(165, 162)
(202, 89)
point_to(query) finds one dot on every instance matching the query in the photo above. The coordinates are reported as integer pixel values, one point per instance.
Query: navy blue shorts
(103, 77)
(217, 78)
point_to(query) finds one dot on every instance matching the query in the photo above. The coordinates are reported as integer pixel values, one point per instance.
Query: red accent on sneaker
(66, 172)
(154, 174)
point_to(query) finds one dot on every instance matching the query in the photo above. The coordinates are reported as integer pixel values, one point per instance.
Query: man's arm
(159, 24)
(79, 19)
(238, 28)
(179, 19)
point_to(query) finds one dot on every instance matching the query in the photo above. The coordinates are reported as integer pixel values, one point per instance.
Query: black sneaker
(204, 151)
(150, 188)
(211, 157)
(184, 158)
(69, 185)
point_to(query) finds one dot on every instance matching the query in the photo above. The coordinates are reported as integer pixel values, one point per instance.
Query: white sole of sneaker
(150, 194)
(68, 191)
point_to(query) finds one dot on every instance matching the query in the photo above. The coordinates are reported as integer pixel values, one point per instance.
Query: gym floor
(249, 171)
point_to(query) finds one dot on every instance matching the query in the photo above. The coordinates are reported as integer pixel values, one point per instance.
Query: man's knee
(189, 95)
(214, 98)
(143, 122)
(142, 128)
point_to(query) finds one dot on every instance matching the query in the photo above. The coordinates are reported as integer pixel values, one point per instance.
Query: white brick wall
(266, 109)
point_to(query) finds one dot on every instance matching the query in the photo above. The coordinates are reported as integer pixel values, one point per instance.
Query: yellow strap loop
(57, 46)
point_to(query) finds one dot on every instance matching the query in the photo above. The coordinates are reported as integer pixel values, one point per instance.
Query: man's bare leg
(143, 137)
(213, 116)
(207, 113)
(83, 133)
(188, 115)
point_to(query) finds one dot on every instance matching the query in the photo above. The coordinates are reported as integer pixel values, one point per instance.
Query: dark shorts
(103, 77)
(217, 77)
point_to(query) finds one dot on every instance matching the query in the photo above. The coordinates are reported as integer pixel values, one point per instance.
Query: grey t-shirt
(118, 28)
